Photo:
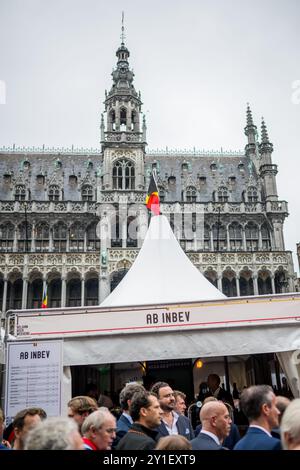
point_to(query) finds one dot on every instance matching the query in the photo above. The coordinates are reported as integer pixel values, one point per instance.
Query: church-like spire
(266, 146)
(251, 132)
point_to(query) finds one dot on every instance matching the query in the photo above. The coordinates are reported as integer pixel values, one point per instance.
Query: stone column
(259, 239)
(85, 241)
(237, 283)
(32, 237)
(123, 233)
(15, 243)
(4, 297)
(244, 239)
(211, 240)
(82, 292)
(220, 283)
(24, 293)
(68, 241)
(255, 284)
(63, 291)
(51, 244)
(228, 238)
(104, 287)
(273, 284)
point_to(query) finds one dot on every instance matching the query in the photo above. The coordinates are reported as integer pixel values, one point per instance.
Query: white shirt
(173, 430)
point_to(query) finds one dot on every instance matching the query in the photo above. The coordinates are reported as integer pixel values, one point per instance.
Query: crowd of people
(156, 419)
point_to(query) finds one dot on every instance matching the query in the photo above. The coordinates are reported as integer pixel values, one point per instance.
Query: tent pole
(227, 384)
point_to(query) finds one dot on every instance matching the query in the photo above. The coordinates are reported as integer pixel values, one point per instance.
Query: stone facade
(74, 219)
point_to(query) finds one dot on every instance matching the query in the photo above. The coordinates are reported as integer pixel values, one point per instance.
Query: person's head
(174, 442)
(215, 418)
(100, 428)
(213, 382)
(281, 404)
(54, 434)
(80, 407)
(145, 409)
(290, 426)
(23, 422)
(208, 399)
(180, 405)
(258, 403)
(165, 396)
(127, 393)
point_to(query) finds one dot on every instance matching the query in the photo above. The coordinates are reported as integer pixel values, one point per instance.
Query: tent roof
(161, 273)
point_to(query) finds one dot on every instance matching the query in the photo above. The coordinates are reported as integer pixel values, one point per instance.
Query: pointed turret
(251, 132)
(268, 170)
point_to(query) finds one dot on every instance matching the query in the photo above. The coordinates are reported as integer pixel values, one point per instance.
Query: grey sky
(197, 63)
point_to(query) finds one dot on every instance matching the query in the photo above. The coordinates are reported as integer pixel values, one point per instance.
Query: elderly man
(290, 426)
(216, 425)
(99, 430)
(54, 434)
(258, 403)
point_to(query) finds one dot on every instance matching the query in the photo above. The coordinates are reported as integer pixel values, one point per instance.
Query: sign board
(33, 377)
(95, 321)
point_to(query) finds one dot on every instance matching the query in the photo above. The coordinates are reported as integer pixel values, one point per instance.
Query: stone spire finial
(264, 132)
(249, 116)
(251, 132)
(122, 30)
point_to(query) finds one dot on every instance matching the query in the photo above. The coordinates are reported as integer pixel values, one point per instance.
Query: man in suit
(125, 421)
(216, 424)
(215, 389)
(172, 422)
(259, 405)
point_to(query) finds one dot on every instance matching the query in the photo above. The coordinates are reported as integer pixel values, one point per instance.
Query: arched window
(35, 294)
(87, 192)
(117, 278)
(251, 236)
(91, 292)
(191, 194)
(77, 237)
(20, 192)
(123, 117)
(53, 193)
(54, 293)
(252, 194)
(42, 237)
(24, 239)
(132, 233)
(93, 241)
(246, 286)
(162, 193)
(220, 237)
(223, 194)
(265, 237)
(206, 246)
(264, 284)
(74, 293)
(123, 175)
(60, 237)
(229, 286)
(235, 235)
(7, 237)
(112, 121)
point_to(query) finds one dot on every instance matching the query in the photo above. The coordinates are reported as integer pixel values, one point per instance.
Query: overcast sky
(196, 62)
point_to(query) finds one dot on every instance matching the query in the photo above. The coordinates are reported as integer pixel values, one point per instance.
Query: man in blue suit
(216, 423)
(258, 403)
(172, 422)
(125, 421)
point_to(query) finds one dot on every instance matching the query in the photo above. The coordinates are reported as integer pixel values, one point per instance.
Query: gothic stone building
(75, 219)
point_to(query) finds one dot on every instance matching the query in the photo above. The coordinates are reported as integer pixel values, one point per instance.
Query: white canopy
(161, 273)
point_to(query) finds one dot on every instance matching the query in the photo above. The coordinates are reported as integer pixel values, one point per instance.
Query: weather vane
(122, 33)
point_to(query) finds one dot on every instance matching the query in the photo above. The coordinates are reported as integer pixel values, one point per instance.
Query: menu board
(33, 377)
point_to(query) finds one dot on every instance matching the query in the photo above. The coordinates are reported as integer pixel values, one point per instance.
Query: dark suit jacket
(256, 439)
(123, 424)
(183, 425)
(204, 442)
(230, 441)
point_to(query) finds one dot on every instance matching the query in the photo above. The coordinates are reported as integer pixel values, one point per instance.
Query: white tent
(161, 273)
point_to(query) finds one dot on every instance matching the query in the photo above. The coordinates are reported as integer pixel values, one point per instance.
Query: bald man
(216, 423)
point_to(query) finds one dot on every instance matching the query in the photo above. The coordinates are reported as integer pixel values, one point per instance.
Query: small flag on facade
(152, 198)
(45, 297)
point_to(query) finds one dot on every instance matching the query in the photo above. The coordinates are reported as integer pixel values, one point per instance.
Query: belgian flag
(45, 297)
(152, 198)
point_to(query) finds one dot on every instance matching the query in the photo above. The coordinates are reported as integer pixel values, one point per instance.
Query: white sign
(33, 377)
(95, 321)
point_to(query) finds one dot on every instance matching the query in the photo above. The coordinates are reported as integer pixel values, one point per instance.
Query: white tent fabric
(161, 273)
